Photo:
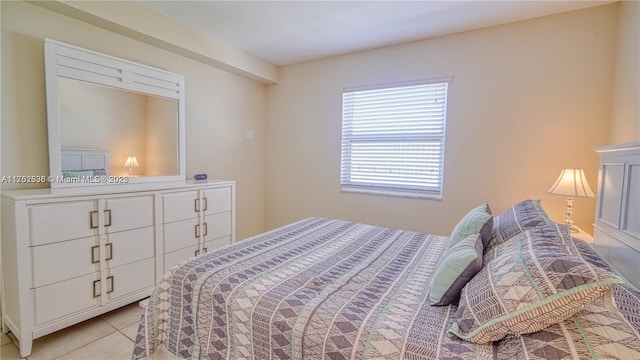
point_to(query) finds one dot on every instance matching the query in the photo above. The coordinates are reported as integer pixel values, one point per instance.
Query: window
(393, 139)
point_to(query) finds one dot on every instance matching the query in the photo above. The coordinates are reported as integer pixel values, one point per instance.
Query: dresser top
(51, 193)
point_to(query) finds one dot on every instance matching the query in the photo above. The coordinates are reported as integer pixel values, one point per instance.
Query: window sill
(392, 192)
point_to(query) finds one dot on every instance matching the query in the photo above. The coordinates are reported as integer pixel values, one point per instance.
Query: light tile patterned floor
(107, 337)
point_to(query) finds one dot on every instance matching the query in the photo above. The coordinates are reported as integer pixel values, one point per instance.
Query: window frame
(347, 184)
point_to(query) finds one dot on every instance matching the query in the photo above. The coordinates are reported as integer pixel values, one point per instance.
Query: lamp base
(568, 214)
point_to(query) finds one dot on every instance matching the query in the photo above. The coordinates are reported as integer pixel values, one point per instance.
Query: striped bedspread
(330, 289)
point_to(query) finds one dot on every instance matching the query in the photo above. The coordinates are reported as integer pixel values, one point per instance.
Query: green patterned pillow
(459, 264)
(477, 221)
(528, 287)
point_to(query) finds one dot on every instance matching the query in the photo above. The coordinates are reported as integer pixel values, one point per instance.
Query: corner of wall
(624, 123)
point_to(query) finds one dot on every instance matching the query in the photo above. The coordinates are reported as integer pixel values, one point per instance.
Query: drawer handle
(204, 229)
(93, 220)
(197, 231)
(109, 284)
(204, 250)
(108, 248)
(95, 258)
(107, 217)
(196, 253)
(96, 288)
(204, 206)
(196, 205)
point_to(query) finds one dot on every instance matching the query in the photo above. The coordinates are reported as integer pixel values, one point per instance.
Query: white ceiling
(287, 32)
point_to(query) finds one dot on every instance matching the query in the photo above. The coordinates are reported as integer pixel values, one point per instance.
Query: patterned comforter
(331, 289)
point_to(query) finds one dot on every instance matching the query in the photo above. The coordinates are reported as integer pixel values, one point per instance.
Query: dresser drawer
(217, 225)
(217, 200)
(128, 213)
(180, 234)
(131, 278)
(65, 298)
(128, 246)
(81, 257)
(62, 221)
(180, 206)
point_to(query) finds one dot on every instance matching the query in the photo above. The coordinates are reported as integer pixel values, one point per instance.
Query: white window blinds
(393, 139)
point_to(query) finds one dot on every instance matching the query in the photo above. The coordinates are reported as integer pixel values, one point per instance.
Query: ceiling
(288, 32)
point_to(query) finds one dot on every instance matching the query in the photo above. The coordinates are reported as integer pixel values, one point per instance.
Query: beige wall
(220, 106)
(625, 109)
(527, 99)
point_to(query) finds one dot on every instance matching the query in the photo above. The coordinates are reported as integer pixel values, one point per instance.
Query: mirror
(124, 122)
(108, 116)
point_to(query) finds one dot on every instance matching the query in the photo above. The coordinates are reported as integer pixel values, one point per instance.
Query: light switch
(249, 134)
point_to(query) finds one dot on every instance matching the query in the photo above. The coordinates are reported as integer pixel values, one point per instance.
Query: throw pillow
(478, 220)
(520, 217)
(459, 264)
(551, 233)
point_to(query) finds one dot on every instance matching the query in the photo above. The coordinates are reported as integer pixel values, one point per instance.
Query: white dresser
(72, 254)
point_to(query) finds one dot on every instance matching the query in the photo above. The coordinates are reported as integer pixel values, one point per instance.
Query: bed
(79, 162)
(512, 286)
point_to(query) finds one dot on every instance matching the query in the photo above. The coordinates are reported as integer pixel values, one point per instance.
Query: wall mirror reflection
(140, 131)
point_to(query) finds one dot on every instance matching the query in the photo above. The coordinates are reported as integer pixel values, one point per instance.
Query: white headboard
(74, 159)
(617, 229)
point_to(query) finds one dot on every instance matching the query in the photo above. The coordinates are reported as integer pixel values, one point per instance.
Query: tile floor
(107, 337)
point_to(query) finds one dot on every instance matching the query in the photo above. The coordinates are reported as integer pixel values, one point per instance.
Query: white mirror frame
(72, 62)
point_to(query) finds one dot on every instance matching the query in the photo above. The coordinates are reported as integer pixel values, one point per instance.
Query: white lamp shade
(131, 162)
(572, 182)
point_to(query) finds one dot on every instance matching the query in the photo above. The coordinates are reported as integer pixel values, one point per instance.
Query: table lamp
(571, 183)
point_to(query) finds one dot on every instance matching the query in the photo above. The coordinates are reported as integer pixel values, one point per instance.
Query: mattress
(332, 289)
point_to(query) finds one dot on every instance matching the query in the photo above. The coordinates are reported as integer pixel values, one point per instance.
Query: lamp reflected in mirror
(131, 163)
